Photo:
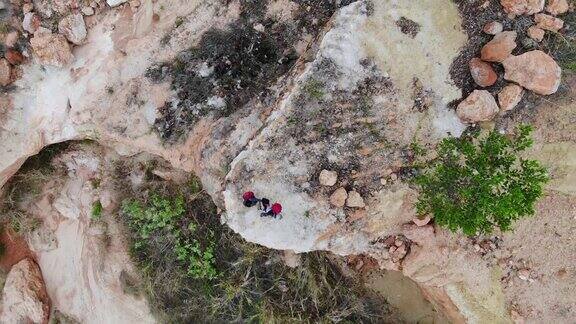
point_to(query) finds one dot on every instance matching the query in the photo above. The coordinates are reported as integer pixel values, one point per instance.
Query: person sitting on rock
(250, 199)
(274, 211)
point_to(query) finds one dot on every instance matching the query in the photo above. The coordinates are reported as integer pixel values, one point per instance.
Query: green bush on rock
(479, 182)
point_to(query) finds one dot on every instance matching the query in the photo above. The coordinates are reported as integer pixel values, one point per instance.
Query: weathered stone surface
(547, 22)
(482, 72)
(534, 70)
(493, 28)
(557, 7)
(73, 28)
(479, 106)
(355, 200)
(51, 49)
(536, 33)
(510, 96)
(24, 298)
(328, 178)
(31, 22)
(500, 47)
(5, 72)
(338, 198)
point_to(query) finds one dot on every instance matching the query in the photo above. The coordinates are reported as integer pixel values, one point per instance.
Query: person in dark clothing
(250, 199)
(274, 211)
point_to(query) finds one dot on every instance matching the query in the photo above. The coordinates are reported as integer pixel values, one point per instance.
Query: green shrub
(96, 210)
(162, 215)
(478, 182)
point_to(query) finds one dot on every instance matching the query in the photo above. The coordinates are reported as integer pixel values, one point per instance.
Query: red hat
(248, 195)
(276, 208)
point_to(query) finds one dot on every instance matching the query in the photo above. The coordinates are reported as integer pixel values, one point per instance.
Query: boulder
(534, 70)
(14, 57)
(31, 22)
(355, 200)
(493, 28)
(328, 178)
(482, 72)
(338, 198)
(5, 72)
(536, 33)
(500, 47)
(547, 22)
(522, 7)
(557, 7)
(479, 106)
(24, 298)
(510, 96)
(73, 28)
(51, 49)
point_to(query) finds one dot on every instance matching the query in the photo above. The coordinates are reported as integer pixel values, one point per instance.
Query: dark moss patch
(234, 66)
(408, 27)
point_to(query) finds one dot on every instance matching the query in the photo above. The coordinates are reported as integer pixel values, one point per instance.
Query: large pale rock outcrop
(534, 70)
(24, 298)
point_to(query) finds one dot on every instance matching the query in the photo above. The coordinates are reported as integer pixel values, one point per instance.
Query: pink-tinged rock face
(479, 106)
(548, 22)
(500, 47)
(522, 7)
(482, 72)
(510, 96)
(534, 70)
(557, 7)
(51, 49)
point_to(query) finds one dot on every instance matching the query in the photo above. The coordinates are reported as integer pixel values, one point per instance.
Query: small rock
(393, 176)
(27, 7)
(499, 48)
(398, 242)
(134, 3)
(338, 198)
(547, 22)
(493, 28)
(534, 6)
(557, 7)
(88, 11)
(356, 215)
(73, 28)
(14, 57)
(259, 27)
(291, 259)
(422, 222)
(482, 72)
(11, 39)
(534, 70)
(5, 72)
(355, 200)
(31, 22)
(561, 274)
(524, 274)
(399, 253)
(479, 106)
(328, 178)
(155, 17)
(51, 49)
(2, 5)
(536, 33)
(389, 241)
(114, 3)
(510, 96)
(383, 181)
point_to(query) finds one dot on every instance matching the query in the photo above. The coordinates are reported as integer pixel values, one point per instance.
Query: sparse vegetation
(96, 210)
(196, 270)
(314, 89)
(478, 183)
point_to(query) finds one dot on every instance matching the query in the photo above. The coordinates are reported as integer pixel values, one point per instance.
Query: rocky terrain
(314, 104)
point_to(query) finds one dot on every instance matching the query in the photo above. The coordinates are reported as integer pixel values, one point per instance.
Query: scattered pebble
(536, 33)
(547, 22)
(499, 48)
(338, 198)
(493, 28)
(479, 106)
(355, 200)
(328, 178)
(5, 72)
(557, 7)
(482, 72)
(510, 96)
